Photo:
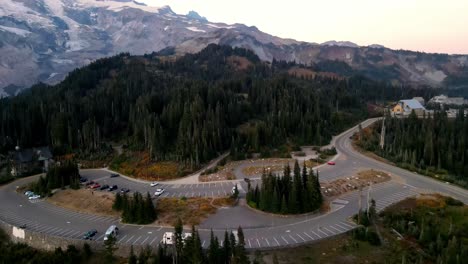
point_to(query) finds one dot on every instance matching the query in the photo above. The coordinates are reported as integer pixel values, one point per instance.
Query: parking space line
(287, 243)
(250, 246)
(56, 232)
(277, 243)
(122, 239)
(338, 230)
(258, 242)
(129, 239)
(328, 230)
(342, 229)
(319, 230)
(315, 234)
(43, 228)
(100, 237)
(52, 230)
(69, 233)
(203, 244)
(266, 239)
(308, 235)
(301, 237)
(152, 241)
(346, 224)
(134, 242)
(295, 241)
(73, 233)
(144, 241)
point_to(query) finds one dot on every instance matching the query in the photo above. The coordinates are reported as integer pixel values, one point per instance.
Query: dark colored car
(113, 175)
(103, 187)
(83, 179)
(246, 179)
(90, 234)
(111, 188)
(124, 190)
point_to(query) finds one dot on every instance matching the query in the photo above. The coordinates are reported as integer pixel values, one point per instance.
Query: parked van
(168, 238)
(112, 230)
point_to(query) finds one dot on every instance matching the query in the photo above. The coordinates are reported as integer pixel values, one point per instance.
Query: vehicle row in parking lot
(31, 195)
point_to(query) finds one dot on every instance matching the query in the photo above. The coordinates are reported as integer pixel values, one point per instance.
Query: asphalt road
(261, 230)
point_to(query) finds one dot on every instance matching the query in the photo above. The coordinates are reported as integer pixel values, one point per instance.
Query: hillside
(44, 40)
(187, 110)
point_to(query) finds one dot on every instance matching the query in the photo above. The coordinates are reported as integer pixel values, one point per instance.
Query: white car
(159, 192)
(154, 184)
(29, 193)
(34, 197)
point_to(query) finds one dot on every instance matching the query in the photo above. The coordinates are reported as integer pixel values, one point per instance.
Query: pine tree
(118, 203)
(241, 254)
(132, 259)
(178, 241)
(213, 250)
(227, 250)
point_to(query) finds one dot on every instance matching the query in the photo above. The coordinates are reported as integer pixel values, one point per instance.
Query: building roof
(29, 155)
(413, 104)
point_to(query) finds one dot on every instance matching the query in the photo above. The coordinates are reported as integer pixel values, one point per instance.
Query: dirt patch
(192, 211)
(139, 165)
(223, 173)
(349, 184)
(85, 201)
(239, 63)
(226, 172)
(257, 170)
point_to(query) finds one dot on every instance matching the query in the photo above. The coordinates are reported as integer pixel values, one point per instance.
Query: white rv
(168, 238)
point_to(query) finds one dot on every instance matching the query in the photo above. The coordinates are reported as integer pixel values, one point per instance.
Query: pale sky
(421, 25)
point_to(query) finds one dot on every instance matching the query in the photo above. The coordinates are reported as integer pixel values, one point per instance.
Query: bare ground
(191, 210)
(363, 178)
(85, 201)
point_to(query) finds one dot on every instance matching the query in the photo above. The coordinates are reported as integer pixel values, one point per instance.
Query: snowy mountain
(43, 40)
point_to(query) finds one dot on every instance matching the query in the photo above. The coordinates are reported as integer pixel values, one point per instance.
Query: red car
(95, 186)
(331, 163)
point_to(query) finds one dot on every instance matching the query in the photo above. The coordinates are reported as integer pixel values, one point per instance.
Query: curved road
(261, 230)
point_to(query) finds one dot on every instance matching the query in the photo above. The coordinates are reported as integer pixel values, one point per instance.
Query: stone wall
(47, 242)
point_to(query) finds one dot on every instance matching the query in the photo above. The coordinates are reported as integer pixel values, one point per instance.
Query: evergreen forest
(287, 195)
(434, 145)
(188, 109)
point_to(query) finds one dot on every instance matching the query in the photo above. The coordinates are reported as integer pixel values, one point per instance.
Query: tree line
(136, 209)
(188, 110)
(434, 145)
(11, 252)
(287, 195)
(189, 250)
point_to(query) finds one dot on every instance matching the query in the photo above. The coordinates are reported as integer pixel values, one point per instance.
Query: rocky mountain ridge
(43, 40)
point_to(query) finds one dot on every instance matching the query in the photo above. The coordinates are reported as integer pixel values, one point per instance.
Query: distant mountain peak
(119, 4)
(340, 44)
(195, 15)
(376, 46)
